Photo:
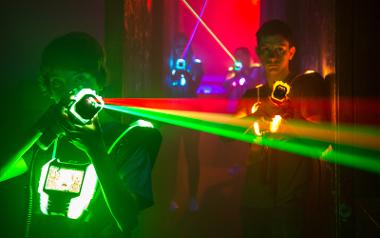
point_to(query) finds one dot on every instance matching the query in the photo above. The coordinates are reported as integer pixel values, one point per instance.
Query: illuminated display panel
(64, 179)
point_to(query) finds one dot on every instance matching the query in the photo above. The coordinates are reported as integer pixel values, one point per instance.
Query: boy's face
(275, 53)
(63, 81)
(243, 58)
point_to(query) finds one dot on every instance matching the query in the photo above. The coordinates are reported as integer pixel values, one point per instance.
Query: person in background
(243, 75)
(183, 78)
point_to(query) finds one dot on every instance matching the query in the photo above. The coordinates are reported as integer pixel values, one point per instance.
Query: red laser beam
(367, 108)
(183, 104)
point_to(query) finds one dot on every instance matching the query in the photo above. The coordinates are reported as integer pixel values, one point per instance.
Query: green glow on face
(237, 129)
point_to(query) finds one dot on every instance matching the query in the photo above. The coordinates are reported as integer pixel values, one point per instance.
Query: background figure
(243, 75)
(74, 140)
(182, 81)
(277, 182)
(185, 71)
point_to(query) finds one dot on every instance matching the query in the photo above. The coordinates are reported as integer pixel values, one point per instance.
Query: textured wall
(313, 24)
(137, 47)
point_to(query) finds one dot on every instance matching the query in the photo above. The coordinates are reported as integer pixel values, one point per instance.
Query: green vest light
(66, 189)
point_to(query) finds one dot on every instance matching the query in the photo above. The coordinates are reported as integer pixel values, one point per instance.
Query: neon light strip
(209, 30)
(193, 34)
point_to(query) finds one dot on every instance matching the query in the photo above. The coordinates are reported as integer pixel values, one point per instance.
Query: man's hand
(268, 109)
(85, 137)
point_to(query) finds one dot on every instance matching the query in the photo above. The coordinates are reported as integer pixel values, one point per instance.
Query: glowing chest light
(180, 74)
(66, 189)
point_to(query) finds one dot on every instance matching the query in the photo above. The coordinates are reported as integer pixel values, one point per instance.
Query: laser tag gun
(238, 66)
(81, 107)
(272, 111)
(280, 92)
(85, 105)
(277, 103)
(180, 75)
(235, 76)
(66, 189)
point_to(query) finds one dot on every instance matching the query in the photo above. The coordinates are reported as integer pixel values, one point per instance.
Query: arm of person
(121, 202)
(124, 171)
(310, 99)
(197, 71)
(246, 104)
(311, 94)
(12, 163)
(134, 154)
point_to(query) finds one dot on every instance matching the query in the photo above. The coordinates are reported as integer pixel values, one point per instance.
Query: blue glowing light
(180, 64)
(182, 80)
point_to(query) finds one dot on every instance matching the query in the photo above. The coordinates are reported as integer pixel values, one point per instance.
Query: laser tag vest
(291, 101)
(277, 178)
(64, 183)
(184, 77)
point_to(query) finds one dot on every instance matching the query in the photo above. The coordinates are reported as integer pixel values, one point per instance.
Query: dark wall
(313, 25)
(340, 37)
(142, 48)
(358, 85)
(27, 26)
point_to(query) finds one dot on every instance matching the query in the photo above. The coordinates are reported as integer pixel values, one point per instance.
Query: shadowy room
(201, 169)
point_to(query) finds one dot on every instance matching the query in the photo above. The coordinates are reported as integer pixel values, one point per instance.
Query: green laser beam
(344, 155)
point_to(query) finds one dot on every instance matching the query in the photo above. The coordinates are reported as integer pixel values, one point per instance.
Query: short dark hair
(180, 39)
(275, 27)
(243, 50)
(77, 51)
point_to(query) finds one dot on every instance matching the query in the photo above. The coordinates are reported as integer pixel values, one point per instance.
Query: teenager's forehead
(62, 72)
(274, 40)
(73, 77)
